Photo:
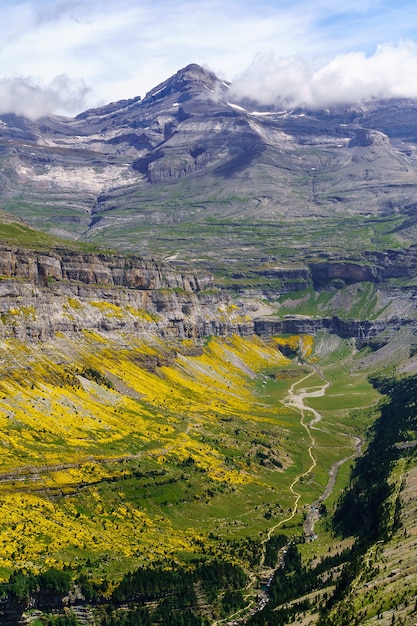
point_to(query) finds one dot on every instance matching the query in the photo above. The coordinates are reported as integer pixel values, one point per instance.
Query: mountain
(188, 163)
(177, 431)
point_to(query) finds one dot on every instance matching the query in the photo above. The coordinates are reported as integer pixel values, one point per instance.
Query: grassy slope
(383, 590)
(18, 233)
(250, 243)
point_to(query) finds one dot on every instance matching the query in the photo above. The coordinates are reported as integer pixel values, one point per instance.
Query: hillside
(152, 420)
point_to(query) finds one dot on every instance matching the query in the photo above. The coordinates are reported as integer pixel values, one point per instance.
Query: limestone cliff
(67, 292)
(64, 291)
(373, 266)
(99, 269)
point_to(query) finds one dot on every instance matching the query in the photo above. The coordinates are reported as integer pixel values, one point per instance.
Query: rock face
(42, 294)
(374, 267)
(361, 330)
(98, 269)
(68, 292)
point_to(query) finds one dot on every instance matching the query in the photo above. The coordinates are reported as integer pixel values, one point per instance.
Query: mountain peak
(194, 72)
(191, 77)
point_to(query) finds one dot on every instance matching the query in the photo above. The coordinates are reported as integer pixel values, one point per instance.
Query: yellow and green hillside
(117, 452)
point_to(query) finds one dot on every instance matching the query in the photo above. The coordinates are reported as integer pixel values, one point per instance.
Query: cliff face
(98, 269)
(42, 294)
(45, 293)
(375, 266)
(363, 331)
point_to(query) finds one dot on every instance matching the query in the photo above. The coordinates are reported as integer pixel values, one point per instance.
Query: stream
(295, 399)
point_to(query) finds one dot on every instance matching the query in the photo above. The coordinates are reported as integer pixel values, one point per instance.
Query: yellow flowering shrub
(105, 464)
(302, 344)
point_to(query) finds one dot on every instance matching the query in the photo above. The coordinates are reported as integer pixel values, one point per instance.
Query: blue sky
(67, 55)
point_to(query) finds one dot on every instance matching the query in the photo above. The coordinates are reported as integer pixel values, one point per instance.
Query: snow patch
(236, 106)
(152, 94)
(264, 113)
(270, 136)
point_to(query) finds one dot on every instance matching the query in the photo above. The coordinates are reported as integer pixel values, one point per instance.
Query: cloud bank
(123, 48)
(24, 96)
(391, 72)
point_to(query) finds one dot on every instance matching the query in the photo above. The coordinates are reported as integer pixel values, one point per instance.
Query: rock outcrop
(98, 269)
(365, 137)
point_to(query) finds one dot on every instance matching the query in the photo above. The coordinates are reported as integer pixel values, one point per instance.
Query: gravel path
(296, 399)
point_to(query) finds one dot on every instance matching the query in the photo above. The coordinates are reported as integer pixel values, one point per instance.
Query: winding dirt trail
(296, 399)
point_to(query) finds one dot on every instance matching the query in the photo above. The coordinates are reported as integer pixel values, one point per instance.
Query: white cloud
(123, 48)
(25, 97)
(390, 72)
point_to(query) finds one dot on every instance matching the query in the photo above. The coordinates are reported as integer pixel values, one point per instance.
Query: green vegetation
(370, 510)
(250, 244)
(57, 620)
(364, 509)
(92, 374)
(21, 234)
(357, 301)
(22, 584)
